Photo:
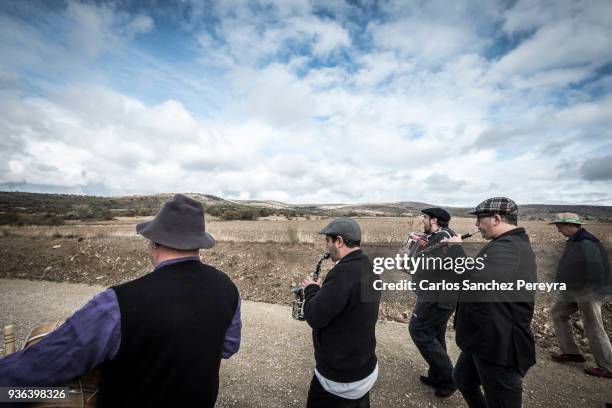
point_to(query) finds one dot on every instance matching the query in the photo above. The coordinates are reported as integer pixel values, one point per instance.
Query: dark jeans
(428, 329)
(319, 398)
(503, 386)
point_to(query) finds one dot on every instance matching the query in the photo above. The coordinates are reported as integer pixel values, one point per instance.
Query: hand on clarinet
(309, 281)
(453, 240)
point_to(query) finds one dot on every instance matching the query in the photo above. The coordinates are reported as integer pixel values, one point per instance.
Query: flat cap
(346, 227)
(496, 205)
(438, 213)
(566, 218)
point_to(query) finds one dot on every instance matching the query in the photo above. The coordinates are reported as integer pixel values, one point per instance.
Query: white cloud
(565, 34)
(94, 30)
(140, 24)
(297, 107)
(590, 113)
(425, 42)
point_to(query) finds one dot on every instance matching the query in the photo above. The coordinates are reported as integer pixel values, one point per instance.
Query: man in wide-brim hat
(585, 270)
(158, 339)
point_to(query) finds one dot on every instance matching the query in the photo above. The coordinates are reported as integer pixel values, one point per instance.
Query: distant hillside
(20, 208)
(68, 206)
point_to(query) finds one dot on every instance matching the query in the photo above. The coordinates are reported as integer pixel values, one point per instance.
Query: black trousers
(319, 398)
(427, 328)
(503, 386)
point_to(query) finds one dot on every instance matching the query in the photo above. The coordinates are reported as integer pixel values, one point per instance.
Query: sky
(309, 101)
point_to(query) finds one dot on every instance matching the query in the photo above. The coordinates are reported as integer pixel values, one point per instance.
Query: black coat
(445, 299)
(499, 331)
(584, 265)
(343, 314)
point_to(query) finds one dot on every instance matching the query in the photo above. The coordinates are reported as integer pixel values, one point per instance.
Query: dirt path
(274, 365)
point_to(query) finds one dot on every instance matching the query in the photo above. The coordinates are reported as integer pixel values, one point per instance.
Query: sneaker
(567, 358)
(598, 372)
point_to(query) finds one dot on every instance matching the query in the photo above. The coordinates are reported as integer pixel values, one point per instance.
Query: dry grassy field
(375, 229)
(265, 258)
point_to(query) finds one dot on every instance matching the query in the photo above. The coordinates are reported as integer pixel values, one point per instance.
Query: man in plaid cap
(585, 269)
(495, 338)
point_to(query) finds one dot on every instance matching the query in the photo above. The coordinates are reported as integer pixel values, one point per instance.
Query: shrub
(229, 215)
(83, 211)
(47, 219)
(103, 214)
(10, 219)
(242, 214)
(292, 234)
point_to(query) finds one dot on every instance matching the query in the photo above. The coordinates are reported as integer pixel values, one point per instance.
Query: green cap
(566, 218)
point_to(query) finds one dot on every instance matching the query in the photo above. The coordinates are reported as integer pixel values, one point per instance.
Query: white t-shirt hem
(353, 390)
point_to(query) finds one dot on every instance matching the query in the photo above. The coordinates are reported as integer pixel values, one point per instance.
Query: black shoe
(445, 392)
(567, 358)
(429, 381)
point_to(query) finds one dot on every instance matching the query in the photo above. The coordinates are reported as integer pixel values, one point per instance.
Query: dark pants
(319, 398)
(503, 386)
(428, 330)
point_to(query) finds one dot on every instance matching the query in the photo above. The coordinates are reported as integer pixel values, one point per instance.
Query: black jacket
(445, 299)
(343, 314)
(499, 331)
(584, 265)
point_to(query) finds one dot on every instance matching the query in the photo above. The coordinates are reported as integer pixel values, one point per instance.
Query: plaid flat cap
(496, 205)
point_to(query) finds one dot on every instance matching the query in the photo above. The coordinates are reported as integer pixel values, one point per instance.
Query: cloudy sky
(309, 102)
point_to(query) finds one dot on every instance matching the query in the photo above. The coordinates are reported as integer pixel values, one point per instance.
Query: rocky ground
(273, 371)
(263, 272)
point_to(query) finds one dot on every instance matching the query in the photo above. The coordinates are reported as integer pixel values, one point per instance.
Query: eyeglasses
(485, 215)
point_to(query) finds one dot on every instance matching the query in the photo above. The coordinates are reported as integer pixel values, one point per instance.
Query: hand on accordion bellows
(310, 281)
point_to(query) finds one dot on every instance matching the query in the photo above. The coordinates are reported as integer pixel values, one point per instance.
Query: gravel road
(274, 365)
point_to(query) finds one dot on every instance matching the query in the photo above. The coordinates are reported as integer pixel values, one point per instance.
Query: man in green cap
(585, 270)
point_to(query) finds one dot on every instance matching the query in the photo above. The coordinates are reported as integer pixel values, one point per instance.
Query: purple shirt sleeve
(87, 338)
(231, 344)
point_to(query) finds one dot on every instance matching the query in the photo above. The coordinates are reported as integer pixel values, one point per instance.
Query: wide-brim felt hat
(179, 225)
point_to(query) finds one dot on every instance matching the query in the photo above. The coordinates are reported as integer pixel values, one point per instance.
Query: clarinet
(443, 244)
(297, 307)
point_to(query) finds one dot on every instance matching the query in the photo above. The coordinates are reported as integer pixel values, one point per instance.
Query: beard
(334, 255)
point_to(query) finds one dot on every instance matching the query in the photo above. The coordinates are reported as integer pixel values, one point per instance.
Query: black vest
(173, 324)
(573, 269)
